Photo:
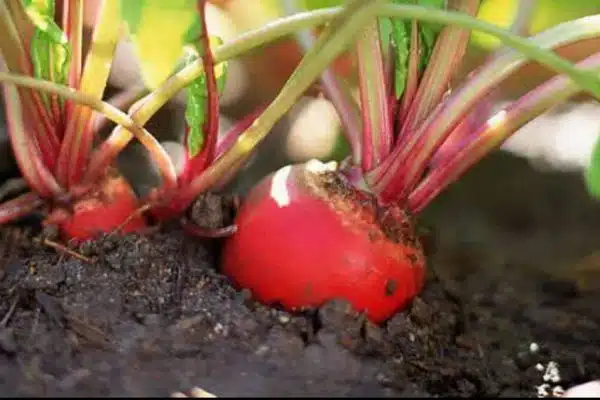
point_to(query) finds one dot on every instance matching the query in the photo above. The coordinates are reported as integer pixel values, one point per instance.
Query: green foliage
(166, 35)
(159, 30)
(50, 52)
(592, 172)
(315, 4)
(197, 96)
(399, 31)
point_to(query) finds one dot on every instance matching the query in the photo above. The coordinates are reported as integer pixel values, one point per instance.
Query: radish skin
(100, 212)
(305, 237)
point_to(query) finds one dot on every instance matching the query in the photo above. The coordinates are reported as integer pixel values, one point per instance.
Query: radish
(310, 233)
(114, 207)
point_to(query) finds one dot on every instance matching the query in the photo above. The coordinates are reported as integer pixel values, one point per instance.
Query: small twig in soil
(36, 321)
(134, 214)
(10, 312)
(64, 249)
(89, 332)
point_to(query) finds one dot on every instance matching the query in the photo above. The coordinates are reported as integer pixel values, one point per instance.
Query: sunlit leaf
(315, 4)
(159, 31)
(592, 172)
(197, 98)
(545, 13)
(49, 50)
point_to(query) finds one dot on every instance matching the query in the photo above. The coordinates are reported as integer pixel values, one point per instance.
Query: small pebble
(283, 318)
(534, 348)
(539, 367)
(552, 374)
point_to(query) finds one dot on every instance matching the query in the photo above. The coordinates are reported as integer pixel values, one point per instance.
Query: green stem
(336, 37)
(336, 90)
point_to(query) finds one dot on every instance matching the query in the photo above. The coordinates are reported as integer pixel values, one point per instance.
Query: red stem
(199, 163)
(445, 60)
(27, 153)
(377, 124)
(464, 131)
(492, 133)
(412, 79)
(42, 128)
(19, 207)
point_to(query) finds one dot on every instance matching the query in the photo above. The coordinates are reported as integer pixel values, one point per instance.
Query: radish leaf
(158, 29)
(315, 4)
(592, 172)
(49, 51)
(397, 31)
(197, 97)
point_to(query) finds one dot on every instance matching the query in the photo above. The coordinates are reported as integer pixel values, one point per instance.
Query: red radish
(305, 236)
(308, 234)
(112, 207)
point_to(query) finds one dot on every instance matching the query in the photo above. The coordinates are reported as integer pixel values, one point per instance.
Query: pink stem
(494, 132)
(19, 207)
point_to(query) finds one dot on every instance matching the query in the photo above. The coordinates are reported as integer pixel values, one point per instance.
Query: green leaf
(429, 32)
(397, 32)
(197, 98)
(315, 4)
(50, 52)
(592, 172)
(159, 30)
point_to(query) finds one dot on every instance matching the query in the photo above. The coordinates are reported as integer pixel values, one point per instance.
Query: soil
(508, 308)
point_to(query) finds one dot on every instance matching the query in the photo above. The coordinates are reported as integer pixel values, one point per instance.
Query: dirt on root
(501, 314)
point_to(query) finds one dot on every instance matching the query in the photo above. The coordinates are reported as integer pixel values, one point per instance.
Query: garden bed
(507, 299)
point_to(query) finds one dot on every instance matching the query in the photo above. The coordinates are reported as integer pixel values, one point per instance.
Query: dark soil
(147, 316)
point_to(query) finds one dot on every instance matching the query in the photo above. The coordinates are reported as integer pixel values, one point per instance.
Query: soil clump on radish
(150, 315)
(393, 221)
